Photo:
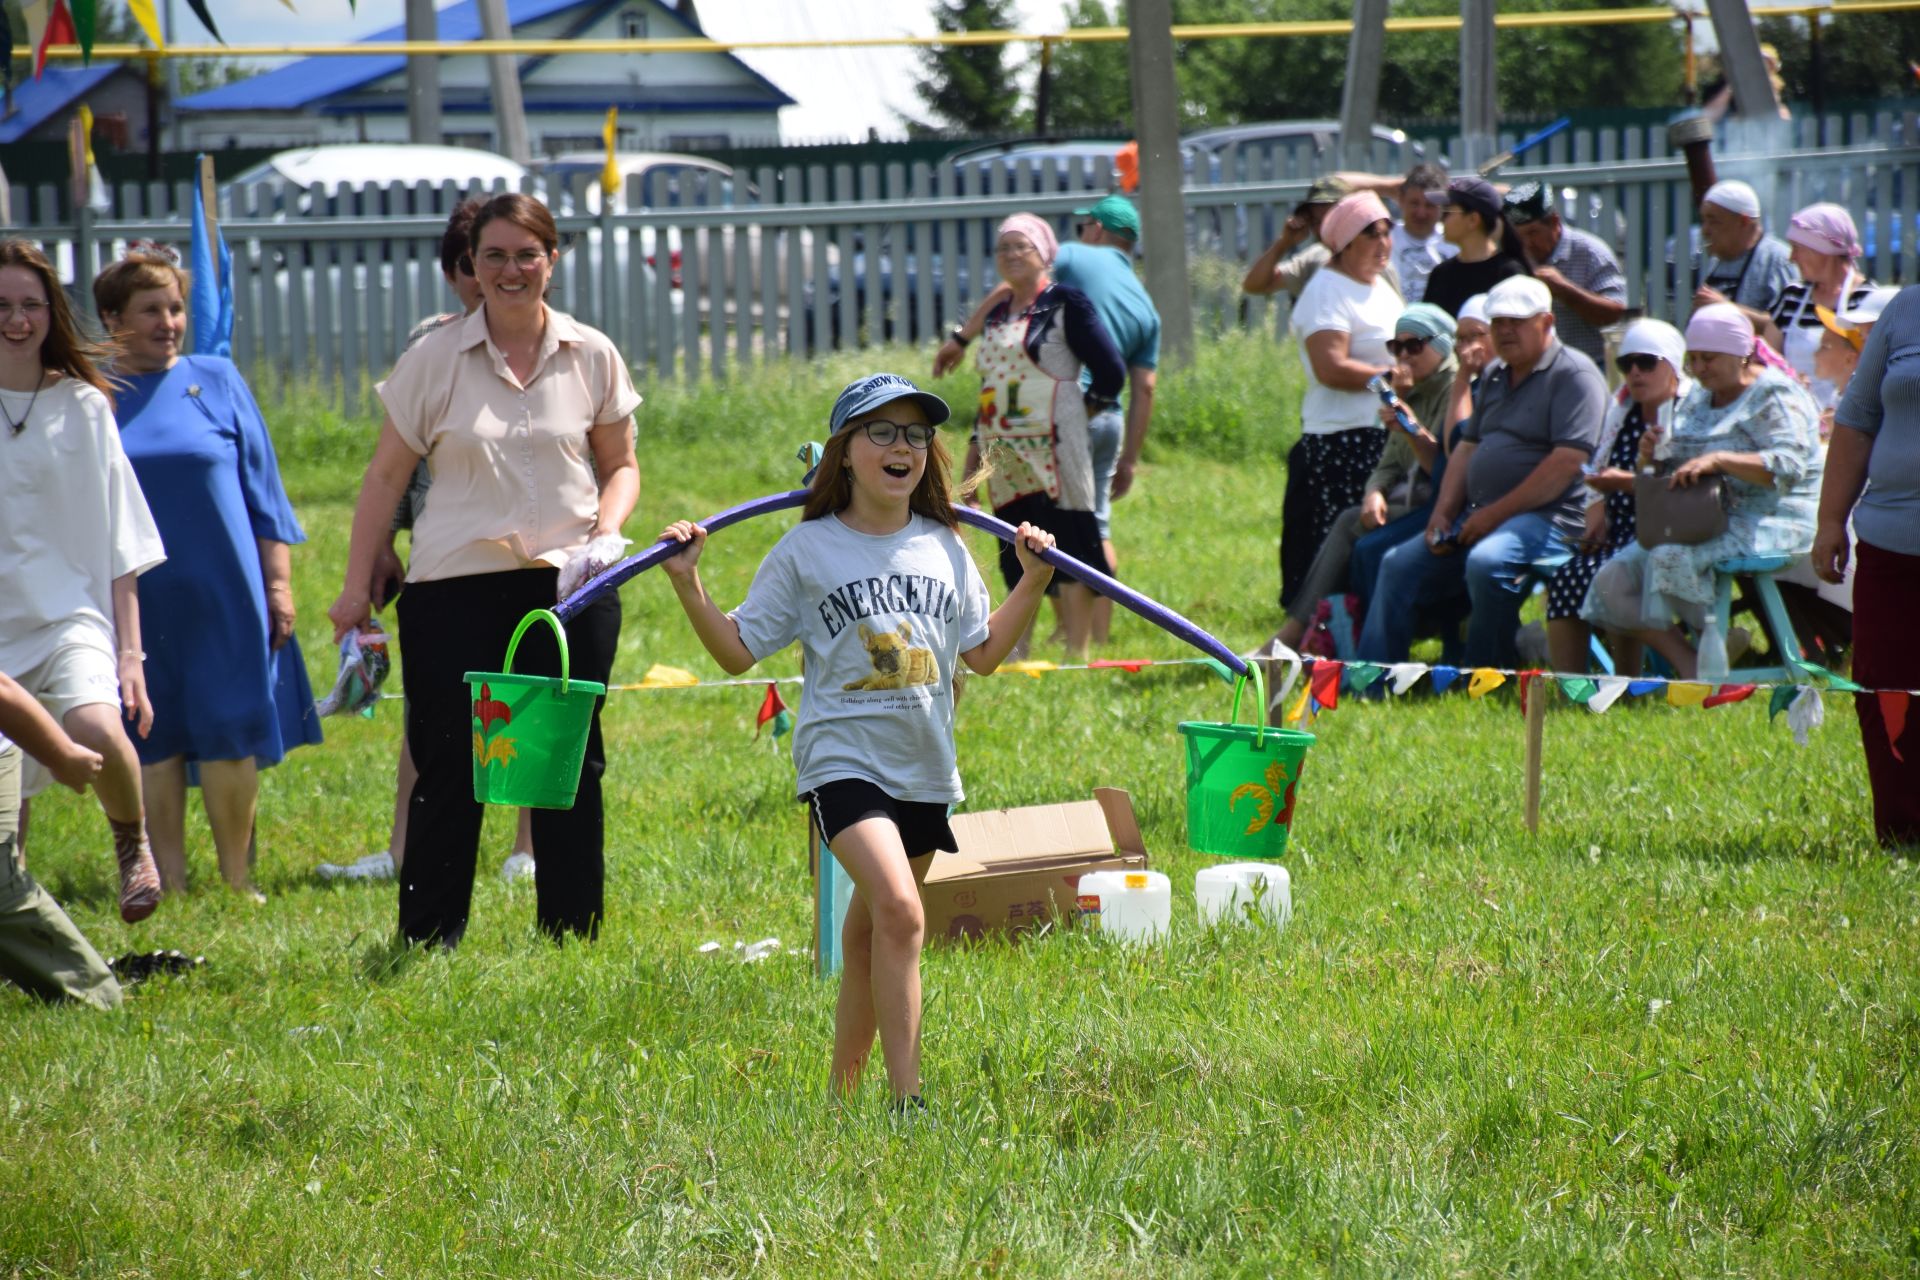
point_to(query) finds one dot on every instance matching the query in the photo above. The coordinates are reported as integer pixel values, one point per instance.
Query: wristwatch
(959, 334)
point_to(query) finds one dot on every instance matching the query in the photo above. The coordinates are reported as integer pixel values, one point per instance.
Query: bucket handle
(1260, 700)
(559, 634)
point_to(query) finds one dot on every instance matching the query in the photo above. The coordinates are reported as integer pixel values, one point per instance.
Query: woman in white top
(74, 535)
(525, 418)
(1343, 320)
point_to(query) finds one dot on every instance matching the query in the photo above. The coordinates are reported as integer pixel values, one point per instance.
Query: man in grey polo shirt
(1579, 270)
(1511, 494)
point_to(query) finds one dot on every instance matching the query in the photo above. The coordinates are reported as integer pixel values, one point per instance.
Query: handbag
(1663, 515)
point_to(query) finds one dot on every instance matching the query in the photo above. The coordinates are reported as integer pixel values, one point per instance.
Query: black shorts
(1077, 533)
(838, 805)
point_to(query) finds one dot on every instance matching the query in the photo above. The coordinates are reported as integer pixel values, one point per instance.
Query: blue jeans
(1496, 573)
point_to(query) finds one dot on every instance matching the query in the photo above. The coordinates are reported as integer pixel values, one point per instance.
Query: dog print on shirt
(896, 663)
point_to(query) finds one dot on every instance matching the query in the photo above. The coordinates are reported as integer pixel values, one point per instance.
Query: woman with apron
(1034, 408)
(1824, 246)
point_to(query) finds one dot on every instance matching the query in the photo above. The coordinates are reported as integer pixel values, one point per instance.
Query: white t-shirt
(881, 621)
(72, 519)
(1415, 260)
(1366, 314)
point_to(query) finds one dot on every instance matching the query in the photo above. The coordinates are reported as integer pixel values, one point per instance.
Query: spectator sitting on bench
(1512, 492)
(1423, 378)
(1754, 427)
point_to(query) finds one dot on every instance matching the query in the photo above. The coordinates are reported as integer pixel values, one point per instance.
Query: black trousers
(452, 626)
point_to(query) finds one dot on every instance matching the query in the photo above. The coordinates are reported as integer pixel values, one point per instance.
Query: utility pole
(1360, 98)
(423, 76)
(1479, 96)
(1156, 123)
(503, 71)
(173, 84)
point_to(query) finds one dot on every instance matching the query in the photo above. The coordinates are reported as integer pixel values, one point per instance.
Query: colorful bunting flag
(660, 676)
(1443, 676)
(143, 13)
(1686, 693)
(1324, 681)
(48, 24)
(1132, 666)
(199, 8)
(1403, 675)
(1483, 682)
(85, 23)
(1839, 684)
(1730, 693)
(1300, 709)
(774, 710)
(1806, 713)
(1578, 689)
(1641, 688)
(1781, 699)
(1361, 676)
(1893, 714)
(610, 174)
(1034, 667)
(1607, 691)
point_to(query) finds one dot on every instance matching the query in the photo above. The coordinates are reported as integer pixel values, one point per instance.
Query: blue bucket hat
(877, 389)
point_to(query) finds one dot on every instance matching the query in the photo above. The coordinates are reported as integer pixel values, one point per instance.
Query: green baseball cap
(1115, 213)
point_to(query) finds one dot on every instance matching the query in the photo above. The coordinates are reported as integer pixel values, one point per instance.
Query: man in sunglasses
(1579, 270)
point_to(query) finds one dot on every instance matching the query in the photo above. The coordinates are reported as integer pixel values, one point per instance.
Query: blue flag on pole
(210, 309)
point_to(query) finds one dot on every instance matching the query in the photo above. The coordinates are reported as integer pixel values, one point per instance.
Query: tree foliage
(1542, 71)
(971, 87)
(1864, 55)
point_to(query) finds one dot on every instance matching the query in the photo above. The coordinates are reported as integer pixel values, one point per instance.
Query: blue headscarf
(1424, 320)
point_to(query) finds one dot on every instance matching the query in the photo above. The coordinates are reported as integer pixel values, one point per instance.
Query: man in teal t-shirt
(1100, 265)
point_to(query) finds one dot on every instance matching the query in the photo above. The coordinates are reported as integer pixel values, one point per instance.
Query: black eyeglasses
(1406, 346)
(883, 433)
(1636, 363)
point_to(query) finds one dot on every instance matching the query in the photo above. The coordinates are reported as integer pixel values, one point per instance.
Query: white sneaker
(518, 866)
(375, 866)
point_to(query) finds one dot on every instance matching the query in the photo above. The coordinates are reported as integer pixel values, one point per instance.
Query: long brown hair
(832, 487)
(65, 350)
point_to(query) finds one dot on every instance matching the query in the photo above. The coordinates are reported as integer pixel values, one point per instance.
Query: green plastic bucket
(530, 732)
(1241, 780)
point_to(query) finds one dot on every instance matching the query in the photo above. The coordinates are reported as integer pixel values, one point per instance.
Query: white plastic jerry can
(1134, 906)
(1244, 891)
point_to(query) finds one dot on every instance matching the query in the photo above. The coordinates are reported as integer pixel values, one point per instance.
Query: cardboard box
(1015, 869)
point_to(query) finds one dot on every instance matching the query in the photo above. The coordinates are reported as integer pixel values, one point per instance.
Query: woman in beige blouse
(525, 418)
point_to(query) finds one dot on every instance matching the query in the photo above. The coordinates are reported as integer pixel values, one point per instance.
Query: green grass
(1674, 1034)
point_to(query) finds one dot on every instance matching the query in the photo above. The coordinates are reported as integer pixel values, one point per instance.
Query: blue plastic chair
(1783, 641)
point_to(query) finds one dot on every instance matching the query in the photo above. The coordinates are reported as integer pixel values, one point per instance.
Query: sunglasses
(1637, 363)
(883, 433)
(1406, 346)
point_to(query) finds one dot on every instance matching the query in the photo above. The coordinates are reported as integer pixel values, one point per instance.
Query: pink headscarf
(1724, 329)
(1036, 232)
(1350, 217)
(1825, 228)
(1721, 328)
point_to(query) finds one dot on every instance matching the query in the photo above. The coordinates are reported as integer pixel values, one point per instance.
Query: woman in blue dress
(228, 684)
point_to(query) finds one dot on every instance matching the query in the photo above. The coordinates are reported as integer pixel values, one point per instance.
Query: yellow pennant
(661, 676)
(610, 175)
(1687, 694)
(86, 133)
(1299, 709)
(1035, 667)
(142, 11)
(1484, 681)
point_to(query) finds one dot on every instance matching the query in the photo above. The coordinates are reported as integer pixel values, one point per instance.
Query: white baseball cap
(1518, 297)
(1869, 308)
(1734, 196)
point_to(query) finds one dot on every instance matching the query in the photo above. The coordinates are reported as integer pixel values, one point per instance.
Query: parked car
(367, 169)
(670, 181)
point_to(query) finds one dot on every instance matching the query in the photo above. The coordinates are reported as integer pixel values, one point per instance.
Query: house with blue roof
(667, 101)
(37, 110)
